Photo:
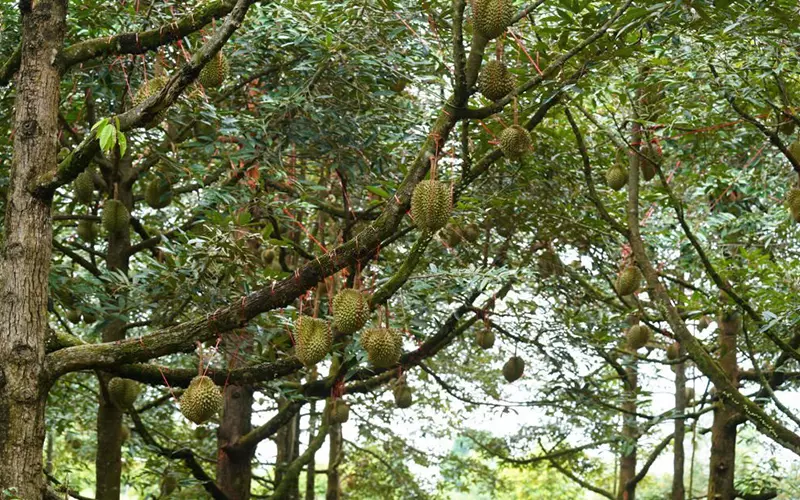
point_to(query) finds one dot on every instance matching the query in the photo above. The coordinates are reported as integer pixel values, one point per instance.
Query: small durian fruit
(74, 316)
(495, 81)
(158, 193)
(123, 392)
(124, 433)
(730, 322)
(646, 164)
(513, 368)
(115, 217)
(492, 17)
(83, 187)
(629, 280)
(89, 317)
(431, 205)
(313, 340)
(638, 336)
(402, 396)
(383, 345)
(787, 127)
(471, 232)
(147, 90)
(793, 202)
(168, 484)
(485, 338)
(268, 256)
(673, 351)
(215, 72)
(549, 264)
(515, 142)
(87, 231)
(794, 150)
(350, 311)
(201, 400)
(617, 177)
(452, 235)
(339, 411)
(703, 322)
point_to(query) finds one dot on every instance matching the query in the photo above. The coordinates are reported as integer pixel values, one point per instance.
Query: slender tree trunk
(723, 430)
(679, 455)
(25, 260)
(312, 430)
(334, 491)
(285, 441)
(627, 462)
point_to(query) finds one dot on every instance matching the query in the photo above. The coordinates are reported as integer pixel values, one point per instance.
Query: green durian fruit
(383, 345)
(492, 17)
(74, 316)
(168, 484)
(350, 311)
(787, 126)
(549, 264)
(313, 340)
(87, 231)
(215, 72)
(431, 205)
(485, 338)
(402, 396)
(495, 81)
(268, 256)
(201, 400)
(158, 193)
(703, 322)
(673, 351)
(646, 164)
(452, 235)
(730, 322)
(83, 187)
(123, 392)
(617, 177)
(793, 202)
(471, 232)
(115, 217)
(147, 90)
(339, 412)
(629, 280)
(515, 142)
(513, 369)
(794, 150)
(638, 336)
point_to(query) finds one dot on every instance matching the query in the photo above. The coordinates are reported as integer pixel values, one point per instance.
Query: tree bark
(627, 461)
(679, 455)
(25, 261)
(233, 467)
(723, 430)
(334, 491)
(285, 441)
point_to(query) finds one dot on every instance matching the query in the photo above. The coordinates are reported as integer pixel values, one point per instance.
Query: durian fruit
(617, 177)
(168, 484)
(452, 235)
(383, 345)
(74, 316)
(703, 322)
(402, 395)
(793, 202)
(339, 411)
(313, 340)
(515, 142)
(794, 150)
(629, 280)
(83, 187)
(148, 89)
(431, 205)
(730, 322)
(201, 400)
(646, 165)
(215, 72)
(787, 126)
(549, 264)
(495, 81)
(513, 368)
(471, 232)
(87, 231)
(350, 311)
(638, 336)
(268, 256)
(89, 317)
(492, 17)
(673, 351)
(123, 392)
(485, 338)
(115, 217)
(124, 433)
(158, 193)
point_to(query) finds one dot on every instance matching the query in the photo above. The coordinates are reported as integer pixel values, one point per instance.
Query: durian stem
(498, 48)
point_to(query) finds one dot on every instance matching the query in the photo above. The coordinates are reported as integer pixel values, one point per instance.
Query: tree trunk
(627, 462)
(723, 430)
(679, 456)
(285, 441)
(233, 469)
(334, 491)
(312, 429)
(25, 261)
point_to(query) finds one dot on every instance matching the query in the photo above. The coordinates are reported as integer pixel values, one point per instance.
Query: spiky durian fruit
(485, 338)
(83, 186)
(638, 336)
(268, 256)
(646, 165)
(673, 351)
(123, 392)
(350, 311)
(87, 231)
(147, 90)
(313, 340)
(201, 400)
(617, 177)
(629, 280)
(495, 81)
(794, 150)
(339, 412)
(793, 202)
(402, 395)
(730, 322)
(515, 142)
(431, 205)
(215, 72)
(549, 264)
(169, 483)
(452, 235)
(158, 193)
(513, 368)
(383, 345)
(471, 232)
(115, 217)
(74, 316)
(492, 17)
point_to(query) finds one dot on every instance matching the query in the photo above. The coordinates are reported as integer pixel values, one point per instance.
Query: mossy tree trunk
(630, 432)
(679, 455)
(334, 491)
(286, 454)
(25, 260)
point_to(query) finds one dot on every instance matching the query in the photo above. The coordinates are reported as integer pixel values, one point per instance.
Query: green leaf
(108, 135)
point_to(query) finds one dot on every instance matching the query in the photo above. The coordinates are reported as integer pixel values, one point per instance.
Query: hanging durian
(629, 280)
(83, 187)
(313, 340)
(638, 336)
(338, 411)
(148, 89)
(495, 81)
(431, 205)
(115, 217)
(350, 311)
(515, 142)
(793, 202)
(123, 392)
(485, 337)
(492, 17)
(647, 165)
(513, 369)
(617, 177)
(471, 232)
(383, 345)
(87, 231)
(215, 72)
(158, 193)
(201, 400)
(673, 351)
(402, 395)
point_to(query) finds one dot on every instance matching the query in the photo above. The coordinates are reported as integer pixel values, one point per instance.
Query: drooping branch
(293, 470)
(262, 432)
(652, 458)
